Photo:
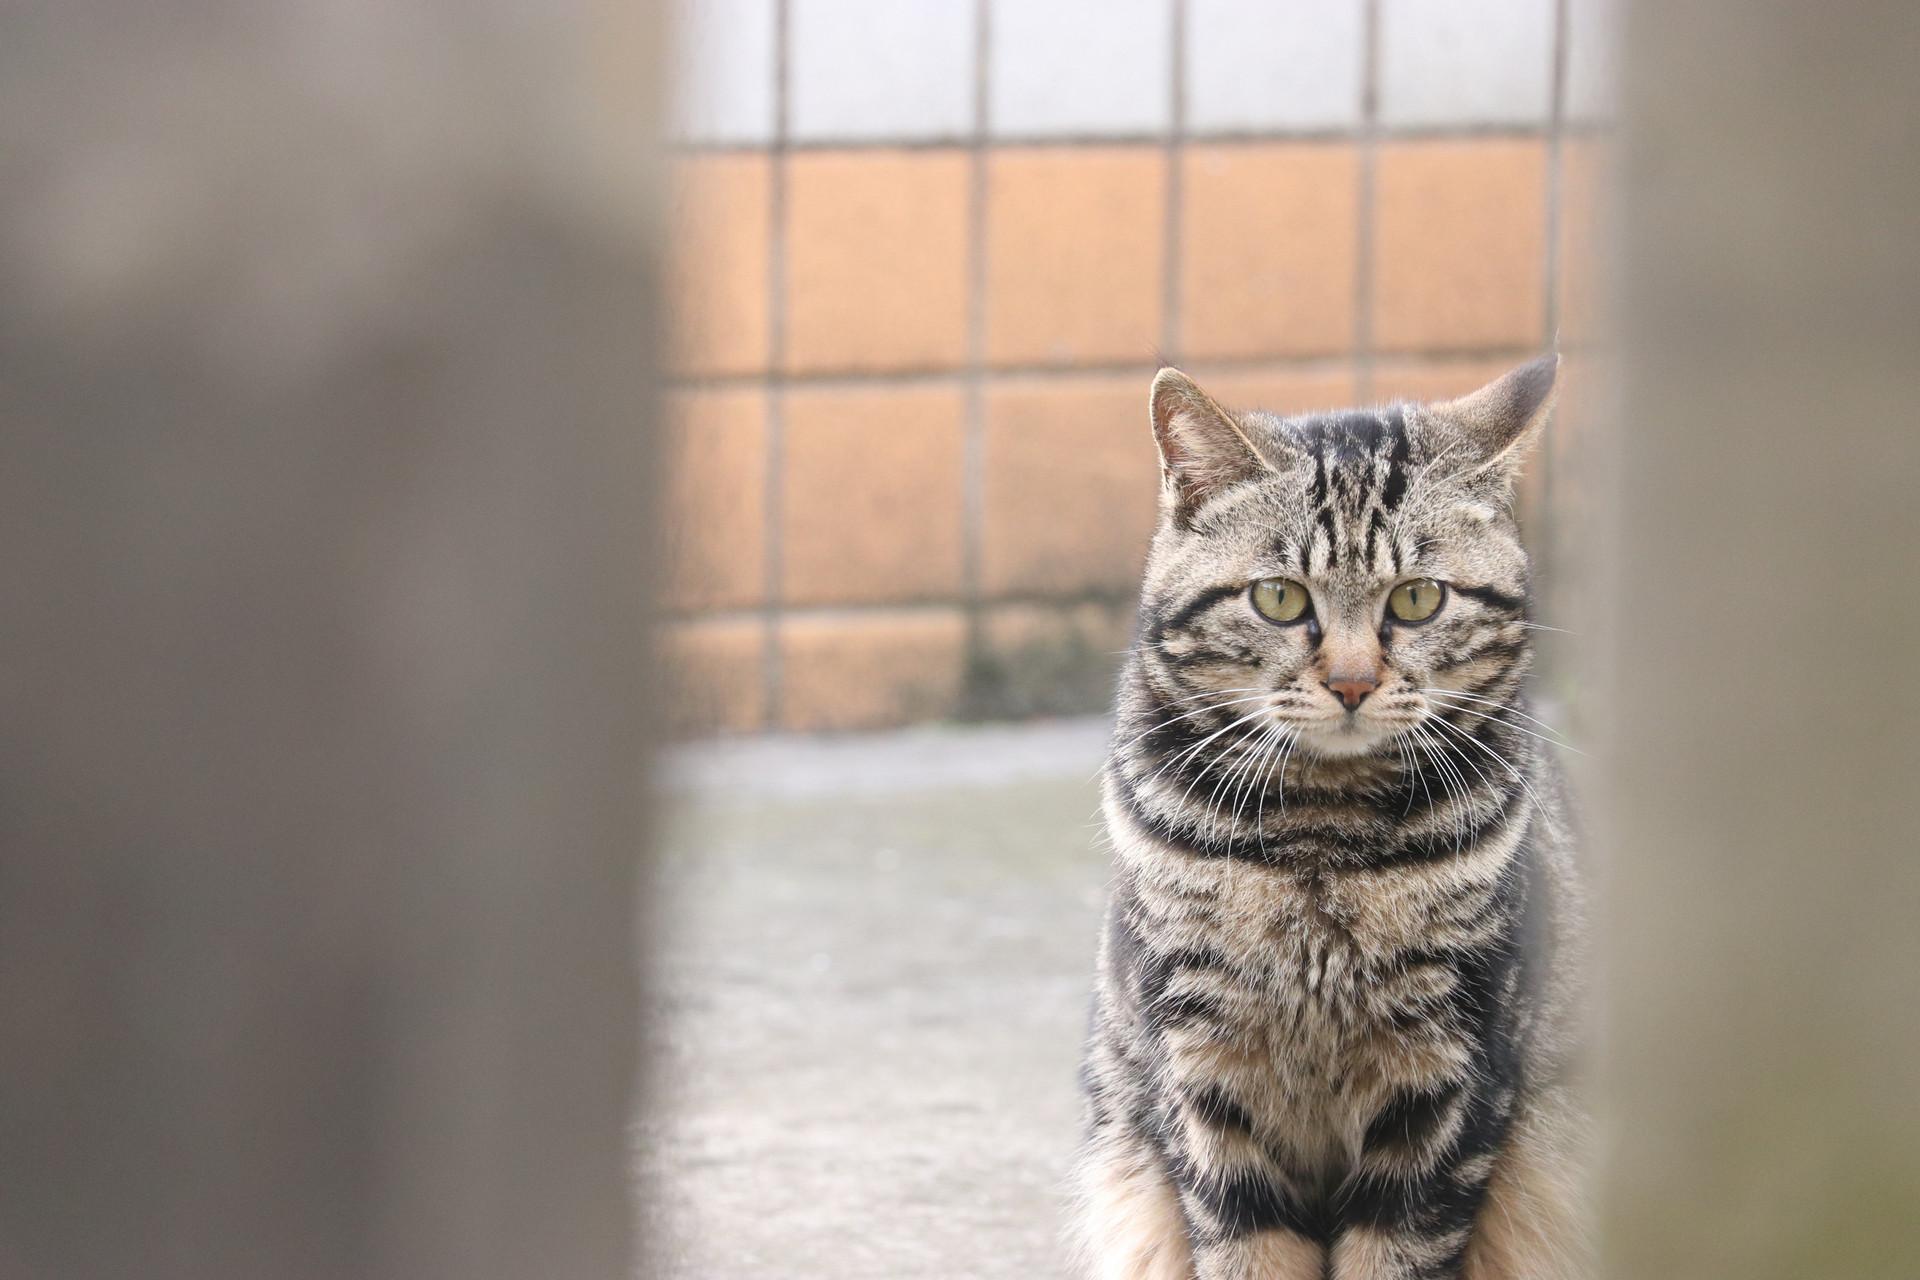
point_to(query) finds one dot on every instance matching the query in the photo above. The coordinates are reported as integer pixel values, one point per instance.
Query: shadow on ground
(871, 985)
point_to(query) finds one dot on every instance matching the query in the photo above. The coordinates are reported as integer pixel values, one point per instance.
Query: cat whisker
(1170, 721)
(1507, 724)
(1228, 788)
(1266, 782)
(1406, 771)
(1468, 760)
(1242, 770)
(1187, 715)
(1186, 795)
(1291, 748)
(1274, 775)
(1469, 709)
(1417, 738)
(1452, 781)
(1418, 773)
(1448, 785)
(1274, 772)
(1222, 826)
(1257, 711)
(1492, 702)
(1503, 761)
(1209, 693)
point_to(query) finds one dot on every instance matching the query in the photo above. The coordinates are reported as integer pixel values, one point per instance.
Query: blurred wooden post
(1763, 842)
(323, 387)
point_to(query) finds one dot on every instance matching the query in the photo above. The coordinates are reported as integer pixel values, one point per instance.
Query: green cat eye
(1280, 600)
(1416, 601)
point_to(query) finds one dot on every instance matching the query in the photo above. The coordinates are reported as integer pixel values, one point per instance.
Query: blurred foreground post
(323, 348)
(1764, 688)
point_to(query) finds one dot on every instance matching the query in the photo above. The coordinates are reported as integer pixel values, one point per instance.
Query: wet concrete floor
(870, 982)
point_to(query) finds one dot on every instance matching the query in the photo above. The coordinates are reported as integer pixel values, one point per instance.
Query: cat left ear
(1203, 447)
(1501, 421)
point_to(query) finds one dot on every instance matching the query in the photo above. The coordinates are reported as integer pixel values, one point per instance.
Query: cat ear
(1501, 421)
(1203, 448)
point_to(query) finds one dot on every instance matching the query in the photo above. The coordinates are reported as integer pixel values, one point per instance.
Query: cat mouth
(1346, 734)
(1351, 733)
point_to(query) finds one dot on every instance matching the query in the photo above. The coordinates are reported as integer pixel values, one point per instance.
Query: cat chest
(1316, 1001)
(1311, 1016)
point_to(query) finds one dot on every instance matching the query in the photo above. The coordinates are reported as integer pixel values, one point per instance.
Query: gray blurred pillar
(1764, 888)
(323, 342)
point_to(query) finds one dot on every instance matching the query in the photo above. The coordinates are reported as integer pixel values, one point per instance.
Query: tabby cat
(1333, 1023)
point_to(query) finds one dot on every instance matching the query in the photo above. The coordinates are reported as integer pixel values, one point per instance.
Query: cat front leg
(1408, 1212)
(1277, 1254)
(1533, 1224)
(1246, 1216)
(1129, 1224)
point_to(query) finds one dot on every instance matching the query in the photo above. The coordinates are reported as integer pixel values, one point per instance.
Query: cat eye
(1281, 600)
(1416, 601)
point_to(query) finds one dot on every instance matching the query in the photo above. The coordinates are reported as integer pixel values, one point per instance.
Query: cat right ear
(1501, 421)
(1203, 448)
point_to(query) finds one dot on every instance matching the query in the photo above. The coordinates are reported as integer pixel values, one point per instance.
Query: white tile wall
(1590, 60)
(893, 69)
(1465, 62)
(1273, 64)
(723, 70)
(1079, 67)
(864, 70)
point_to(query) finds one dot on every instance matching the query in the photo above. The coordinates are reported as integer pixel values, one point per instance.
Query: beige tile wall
(909, 474)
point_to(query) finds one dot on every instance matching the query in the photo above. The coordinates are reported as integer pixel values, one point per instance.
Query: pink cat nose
(1352, 690)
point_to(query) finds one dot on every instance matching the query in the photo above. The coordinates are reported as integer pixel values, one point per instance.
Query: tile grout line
(1365, 200)
(1465, 130)
(919, 605)
(1029, 373)
(973, 390)
(1556, 116)
(1543, 539)
(1176, 146)
(774, 504)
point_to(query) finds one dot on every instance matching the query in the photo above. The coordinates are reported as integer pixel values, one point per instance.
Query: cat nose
(1352, 690)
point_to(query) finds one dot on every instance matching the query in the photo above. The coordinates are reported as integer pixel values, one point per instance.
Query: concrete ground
(871, 983)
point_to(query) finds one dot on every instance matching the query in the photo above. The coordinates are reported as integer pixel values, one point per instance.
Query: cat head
(1330, 570)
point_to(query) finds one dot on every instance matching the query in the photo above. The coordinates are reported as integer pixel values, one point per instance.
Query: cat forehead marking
(1360, 468)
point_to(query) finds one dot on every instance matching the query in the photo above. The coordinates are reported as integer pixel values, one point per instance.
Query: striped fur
(1333, 1016)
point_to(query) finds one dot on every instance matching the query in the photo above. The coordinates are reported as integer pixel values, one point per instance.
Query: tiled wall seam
(1382, 131)
(1170, 346)
(770, 701)
(1544, 481)
(1556, 152)
(959, 374)
(1363, 263)
(853, 610)
(979, 176)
